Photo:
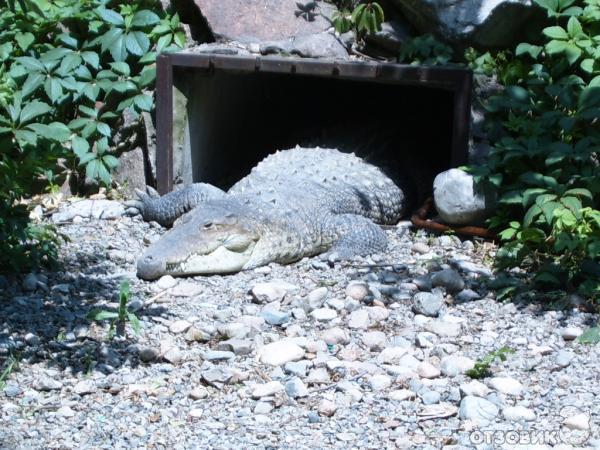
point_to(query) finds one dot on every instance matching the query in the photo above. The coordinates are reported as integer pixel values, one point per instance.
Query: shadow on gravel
(50, 323)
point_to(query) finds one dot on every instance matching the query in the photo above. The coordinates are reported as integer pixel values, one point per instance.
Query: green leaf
(103, 129)
(91, 58)
(548, 210)
(70, 62)
(137, 43)
(144, 18)
(24, 40)
(531, 214)
(80, 146)
(163, 42)
(110, 16)
(574, 204)
(529, 196)
(67, 40)
(55, 131)
(554, 47)
(92, 112)
(121, 68)
(590, 336)
(31, 64)
(53, 89)
(580, 192)
(135, 322)
(143, 101)
(100, 314)
(587, 65)
(180, 39)
(110, 161)
(589, 98)
(118, 50)
(103, 173)
(124, 86)
(26, 137)
(556, 32)
(149, 57)
(574, 28)
(33, 109)
(33, 82)
(528, 49)
(147, 76)
(572, 53)
(534, 235)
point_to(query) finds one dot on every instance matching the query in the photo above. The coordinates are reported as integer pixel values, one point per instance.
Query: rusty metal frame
(457, 80)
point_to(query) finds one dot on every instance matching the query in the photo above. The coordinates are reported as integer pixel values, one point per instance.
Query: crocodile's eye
(208, 225)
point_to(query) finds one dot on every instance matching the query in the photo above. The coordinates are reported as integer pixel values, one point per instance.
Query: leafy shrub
(426, 50)
(545, 159)
(362, 17)
(68, 70)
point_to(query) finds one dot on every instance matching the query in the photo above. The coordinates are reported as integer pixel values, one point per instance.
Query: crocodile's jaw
(206, 241)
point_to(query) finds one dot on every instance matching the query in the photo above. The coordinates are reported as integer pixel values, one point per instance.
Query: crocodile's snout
(150, 267)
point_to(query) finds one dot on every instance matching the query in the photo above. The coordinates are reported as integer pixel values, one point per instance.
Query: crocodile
(295, 203)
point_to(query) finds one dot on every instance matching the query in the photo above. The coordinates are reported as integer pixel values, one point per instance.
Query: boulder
(264, 20)
(458, 200)
(131, 171)
(321, 45)
(478, 23)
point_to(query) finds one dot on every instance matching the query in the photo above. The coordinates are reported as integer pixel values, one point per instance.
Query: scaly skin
(295, 203)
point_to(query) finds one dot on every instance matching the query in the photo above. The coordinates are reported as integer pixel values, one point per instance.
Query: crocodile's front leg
(166, 209)
(353, 235)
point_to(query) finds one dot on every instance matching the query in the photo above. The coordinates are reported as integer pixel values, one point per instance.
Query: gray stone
(32, 339)
(474, 388)
(317, 297)
(479, 23)
(217, 376)
(318, 376)
(298, 368)
(459, 200)
(467, 295)
(98, 209)
(47, 384)
(374, 340)
(571, 333)
(430, 397)
(218, 355)
(564, 358)
(392, 36)
(295, 388)
(449, 279)
(477, 409)
(357, 290)
(359, 319)
(268, 292)
(30, 282)
(147, 354)
(428, 304)
(506, 385)
(12, 390)
(442, 328)
(263, 407)
(237, 346)
(321, 45)
(166, 282)
(263, 20)
(131, 171)
(275, 317)
(179, 326)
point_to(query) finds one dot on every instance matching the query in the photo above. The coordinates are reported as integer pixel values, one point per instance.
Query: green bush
(362, 17)
(545, 159)
(68, 71)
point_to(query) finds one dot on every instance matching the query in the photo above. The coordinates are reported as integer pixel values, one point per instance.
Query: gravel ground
(363, 354)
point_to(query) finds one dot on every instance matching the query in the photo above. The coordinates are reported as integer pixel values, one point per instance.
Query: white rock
(374, 340)
(179, 326)
(378, 313)
(571, 333)
(578, 422)
(84, 387)
(474, 388)
(452, 366)
(267, 389)
(186, 289)
(428, 370)
(391, 355)
(359, 319)
(198, 393)
(506, 385)
(401, 394)
(166, 282)
(318, 376)
(517, 413)
(279, 352)
(98, 209)
(268, 292)
(327, 408)
(317, 297)
(477, 409)
(65, 412)
(295, 388)
(380, 382)
(357, 290)
(443, 328)
(458, 199)
(196, 413)
(324, 314)
(334, 336)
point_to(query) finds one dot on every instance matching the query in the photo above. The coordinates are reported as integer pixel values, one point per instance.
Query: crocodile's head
(208, 240)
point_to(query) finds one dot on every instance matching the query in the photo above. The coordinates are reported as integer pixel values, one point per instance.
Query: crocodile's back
(322, 177)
